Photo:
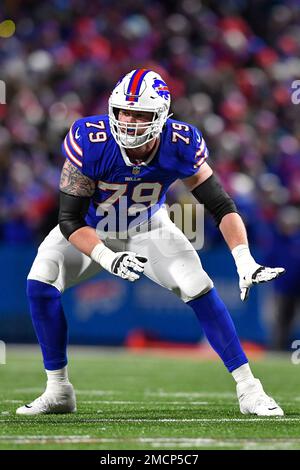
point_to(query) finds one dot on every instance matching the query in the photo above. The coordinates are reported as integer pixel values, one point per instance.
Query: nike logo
(28, 406)
(275, 408)
(77, 133)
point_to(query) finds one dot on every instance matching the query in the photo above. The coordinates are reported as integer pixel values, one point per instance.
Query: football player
(134, 154)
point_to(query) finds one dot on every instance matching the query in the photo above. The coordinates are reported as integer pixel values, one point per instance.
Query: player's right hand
(125, 264)
(128, 265)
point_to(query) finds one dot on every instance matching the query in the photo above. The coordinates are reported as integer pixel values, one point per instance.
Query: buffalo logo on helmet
(161, 88)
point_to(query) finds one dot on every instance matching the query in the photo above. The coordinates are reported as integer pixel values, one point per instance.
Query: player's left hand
(255, 275)
(250, 272)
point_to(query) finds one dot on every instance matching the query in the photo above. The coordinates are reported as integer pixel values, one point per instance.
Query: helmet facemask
(135, 134)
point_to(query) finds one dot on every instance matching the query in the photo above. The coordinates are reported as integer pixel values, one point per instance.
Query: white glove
(250, 272)
(125, 264)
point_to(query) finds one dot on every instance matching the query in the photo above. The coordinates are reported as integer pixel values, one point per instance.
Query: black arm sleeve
(215, 199)
(72, 210)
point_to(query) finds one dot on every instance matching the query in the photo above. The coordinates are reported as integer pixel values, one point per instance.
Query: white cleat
(253, 400)
(61, 400)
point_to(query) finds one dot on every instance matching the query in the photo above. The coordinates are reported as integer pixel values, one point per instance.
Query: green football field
(151, 400)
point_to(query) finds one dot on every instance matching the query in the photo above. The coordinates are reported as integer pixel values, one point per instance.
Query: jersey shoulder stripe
(202, 152)
(75, 146)
(72, 147)
(70, 155)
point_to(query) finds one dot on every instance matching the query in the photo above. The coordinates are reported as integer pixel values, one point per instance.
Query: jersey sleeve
(193, 152)
(201, 151)
(72, 146)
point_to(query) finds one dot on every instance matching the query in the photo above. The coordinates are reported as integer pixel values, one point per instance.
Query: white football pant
(172, 261)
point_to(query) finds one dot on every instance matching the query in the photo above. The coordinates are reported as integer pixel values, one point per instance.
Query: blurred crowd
(230, 68)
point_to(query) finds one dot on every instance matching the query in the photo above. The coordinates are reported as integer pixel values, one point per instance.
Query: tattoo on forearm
(75, 183)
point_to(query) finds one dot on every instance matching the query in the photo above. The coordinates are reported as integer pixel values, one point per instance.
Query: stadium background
(230, 68)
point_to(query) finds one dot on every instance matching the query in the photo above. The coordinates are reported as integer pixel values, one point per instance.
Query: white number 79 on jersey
(143, 200)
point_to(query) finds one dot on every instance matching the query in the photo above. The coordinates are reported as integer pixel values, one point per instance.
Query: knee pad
(195, 286)
(191, 280)
(46, 267)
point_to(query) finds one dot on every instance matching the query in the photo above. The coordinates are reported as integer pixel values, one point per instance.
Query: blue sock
(219, 329)
(49, 323)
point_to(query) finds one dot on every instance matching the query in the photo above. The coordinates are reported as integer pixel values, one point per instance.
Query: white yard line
(193, 420)
(153, 441)
(11, 401)
(79, 392)
(150, 403)
(274, 419)
(161, 393)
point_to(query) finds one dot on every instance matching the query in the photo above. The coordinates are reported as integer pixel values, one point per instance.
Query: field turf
(150, 401)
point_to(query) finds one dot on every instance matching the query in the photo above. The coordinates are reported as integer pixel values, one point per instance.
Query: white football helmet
(139, 90)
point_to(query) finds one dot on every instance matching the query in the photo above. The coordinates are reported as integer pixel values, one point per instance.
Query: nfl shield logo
(136, 170)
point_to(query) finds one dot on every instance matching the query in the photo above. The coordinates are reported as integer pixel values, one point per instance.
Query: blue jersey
(139, 189)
